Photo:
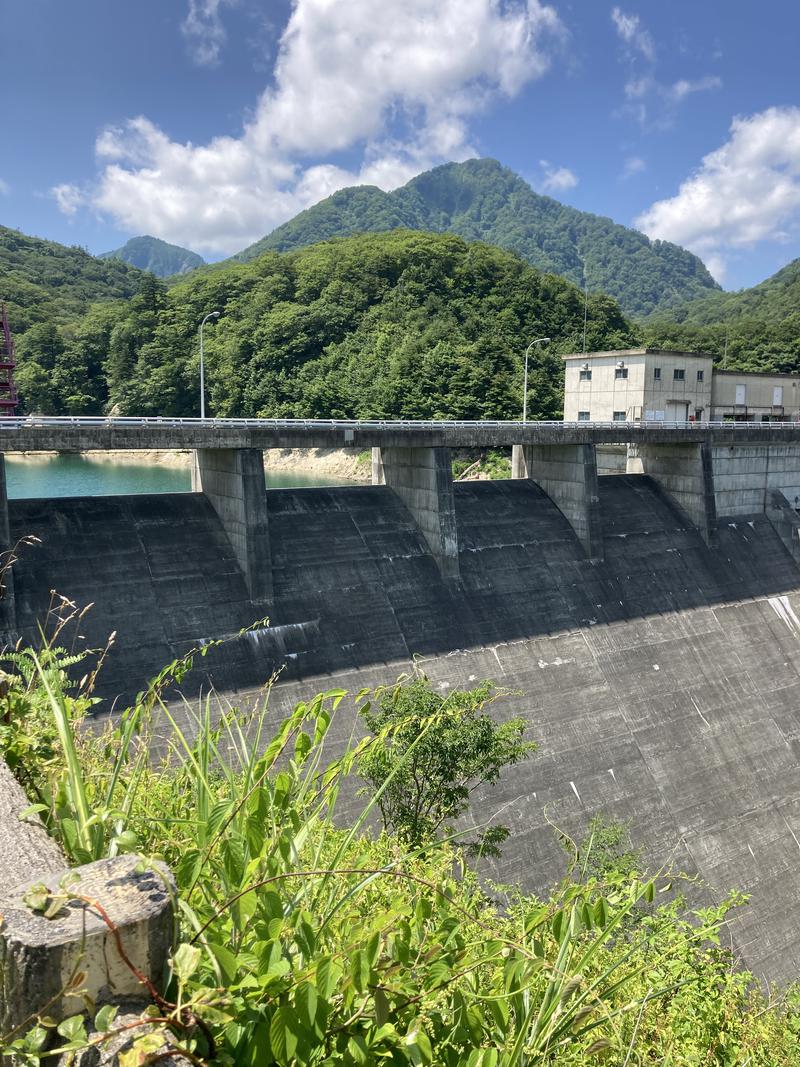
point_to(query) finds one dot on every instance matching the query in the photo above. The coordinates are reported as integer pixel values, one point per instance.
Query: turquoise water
(49, 476)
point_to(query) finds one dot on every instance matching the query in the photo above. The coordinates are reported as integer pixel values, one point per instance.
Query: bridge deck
(51, 434)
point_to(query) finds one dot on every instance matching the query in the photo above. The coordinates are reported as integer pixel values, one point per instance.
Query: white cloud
(651, 102)
(5, 188)
(683, 88)
(557, 179)
(630, 29)
(397, 85)
(633, 165)
(68, 197)
(743, 193)
(204, 31)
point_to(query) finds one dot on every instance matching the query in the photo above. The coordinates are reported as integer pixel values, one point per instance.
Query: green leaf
(281, 1036)
(382, 1010)
(105, 1017)
(359, 970)
(302, 746)
(185, 961)
(73, 1029)
(305, 1002)
(228, 962)
(37, 897)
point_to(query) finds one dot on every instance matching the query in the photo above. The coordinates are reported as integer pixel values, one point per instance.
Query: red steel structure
(8, 391)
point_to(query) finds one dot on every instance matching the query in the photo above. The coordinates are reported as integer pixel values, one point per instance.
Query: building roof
(619, 353)
(757, 374)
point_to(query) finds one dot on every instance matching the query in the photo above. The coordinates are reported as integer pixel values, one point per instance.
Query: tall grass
(302, 941)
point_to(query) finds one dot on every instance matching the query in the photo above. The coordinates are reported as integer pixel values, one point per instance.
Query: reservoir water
(68, 475)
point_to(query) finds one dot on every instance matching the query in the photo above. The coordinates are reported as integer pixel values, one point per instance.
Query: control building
(651, 385)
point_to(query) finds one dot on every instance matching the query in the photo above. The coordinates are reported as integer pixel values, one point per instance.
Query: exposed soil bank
(336, 462)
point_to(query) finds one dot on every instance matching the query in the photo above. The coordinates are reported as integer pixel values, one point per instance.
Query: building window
(586, 375)
(679, 375)
(620, 372)
(656, 374)
(583, 416)
(700, 375)
(620, 416)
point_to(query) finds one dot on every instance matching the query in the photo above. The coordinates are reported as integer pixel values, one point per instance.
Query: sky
(209, 122)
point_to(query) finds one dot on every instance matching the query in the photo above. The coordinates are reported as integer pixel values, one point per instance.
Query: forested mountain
(481, 200)
(402, 324)
(156, 256)
(45, 282)
(757, 328)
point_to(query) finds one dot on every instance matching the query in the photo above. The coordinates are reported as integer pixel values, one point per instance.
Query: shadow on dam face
(662, 683)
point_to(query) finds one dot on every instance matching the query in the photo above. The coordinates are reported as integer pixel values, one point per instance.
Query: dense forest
(482, 201)
(46, 282)
(753, 329)
(402, 324)
(156, 256)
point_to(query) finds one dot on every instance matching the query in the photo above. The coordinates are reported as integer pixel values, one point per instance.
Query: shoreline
(337, 462)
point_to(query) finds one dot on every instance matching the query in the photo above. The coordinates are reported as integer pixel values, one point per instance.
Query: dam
(648, 623)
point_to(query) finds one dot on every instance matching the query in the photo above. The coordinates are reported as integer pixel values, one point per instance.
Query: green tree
(431, 751)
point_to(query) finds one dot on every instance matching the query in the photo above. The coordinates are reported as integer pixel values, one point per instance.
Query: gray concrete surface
(568, 474)
(745, 475)
(77, 435)
(685, 473)
(39, 956)
(233, 481)
(423, 479)
(785, 518)
(26, 850)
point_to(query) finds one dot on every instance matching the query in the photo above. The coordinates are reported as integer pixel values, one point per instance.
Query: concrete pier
(423, 479)
(568, 474)
(745, 476)
(685, 473)
(232, 479)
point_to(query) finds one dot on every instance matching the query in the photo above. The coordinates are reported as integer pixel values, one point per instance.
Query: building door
(677, 411)
(777, 396)
(741, 394)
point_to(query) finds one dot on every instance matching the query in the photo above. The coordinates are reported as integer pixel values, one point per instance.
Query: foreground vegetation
(310, 939)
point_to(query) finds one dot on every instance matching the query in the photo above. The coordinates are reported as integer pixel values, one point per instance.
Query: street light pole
(210, 315)
(537, 341)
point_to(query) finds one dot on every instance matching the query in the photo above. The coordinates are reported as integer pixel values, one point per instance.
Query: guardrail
(45, 421)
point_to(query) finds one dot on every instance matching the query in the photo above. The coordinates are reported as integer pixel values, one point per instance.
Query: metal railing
(154, 422)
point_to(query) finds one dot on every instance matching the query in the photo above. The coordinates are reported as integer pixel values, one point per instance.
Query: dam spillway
(661, 681)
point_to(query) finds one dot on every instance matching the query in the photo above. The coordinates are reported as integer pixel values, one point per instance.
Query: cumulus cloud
(745, 192)
(557, 179)
(633, 33)
(397, 85)
(204, 30)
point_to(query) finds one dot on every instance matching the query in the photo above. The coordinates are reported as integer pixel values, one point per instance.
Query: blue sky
(209, 122)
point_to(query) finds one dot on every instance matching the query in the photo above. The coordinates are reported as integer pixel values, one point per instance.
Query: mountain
(482, 200)
(401, 324)
(752, 329)
(45, 282)
(770, 301)
(157, 257)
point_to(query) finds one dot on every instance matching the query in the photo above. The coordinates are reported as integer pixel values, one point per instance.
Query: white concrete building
(653, 385)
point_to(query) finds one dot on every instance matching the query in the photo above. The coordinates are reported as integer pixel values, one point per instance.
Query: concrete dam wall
(661, 681)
